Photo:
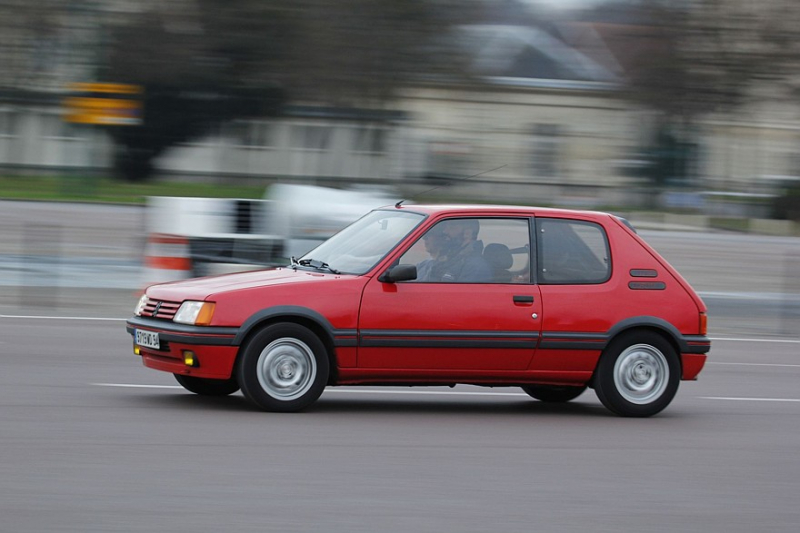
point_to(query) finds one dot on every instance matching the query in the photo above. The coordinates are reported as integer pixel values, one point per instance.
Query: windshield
(362, 244)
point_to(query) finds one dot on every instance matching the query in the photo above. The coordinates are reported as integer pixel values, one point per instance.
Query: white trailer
(190, 237)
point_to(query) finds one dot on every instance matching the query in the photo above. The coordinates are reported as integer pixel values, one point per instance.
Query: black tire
(638, 374)
(283, 368)
(554, 393)
(207, 387)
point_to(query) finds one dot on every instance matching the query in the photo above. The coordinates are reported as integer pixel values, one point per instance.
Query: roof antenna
(465, 179)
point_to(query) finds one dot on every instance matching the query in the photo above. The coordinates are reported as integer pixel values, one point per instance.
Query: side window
(473, 250)
(572, 252)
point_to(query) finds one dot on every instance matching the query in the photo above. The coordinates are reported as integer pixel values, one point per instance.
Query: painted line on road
(753, 364)
(734, 399)
(65, 318)
(134, 386)
(741, 339)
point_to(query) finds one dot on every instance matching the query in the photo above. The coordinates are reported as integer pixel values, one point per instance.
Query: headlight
(194, 313)
(140, 306)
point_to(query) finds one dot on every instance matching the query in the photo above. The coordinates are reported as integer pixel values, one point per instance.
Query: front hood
(202, 288)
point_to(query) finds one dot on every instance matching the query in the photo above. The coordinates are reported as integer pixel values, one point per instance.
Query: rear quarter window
(572, 252)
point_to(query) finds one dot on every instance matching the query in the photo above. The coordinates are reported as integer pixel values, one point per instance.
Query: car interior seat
(499, 258)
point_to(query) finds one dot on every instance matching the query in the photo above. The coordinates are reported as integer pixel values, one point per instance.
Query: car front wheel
(284, 368)
(554, 393)
(638, 375)
(207, 387)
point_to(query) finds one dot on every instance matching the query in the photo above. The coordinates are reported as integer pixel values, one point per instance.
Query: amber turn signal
(205, 314)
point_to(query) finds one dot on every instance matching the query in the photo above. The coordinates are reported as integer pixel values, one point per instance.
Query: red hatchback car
(552, 301)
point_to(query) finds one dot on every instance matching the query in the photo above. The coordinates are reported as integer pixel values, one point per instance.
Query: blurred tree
(28, 40)
(700, 57)
(786, 206)
(361, 52)
(202, 62)
(697, 57)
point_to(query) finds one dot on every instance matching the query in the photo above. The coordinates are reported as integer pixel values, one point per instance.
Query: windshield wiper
(319, 265)
(293, 262)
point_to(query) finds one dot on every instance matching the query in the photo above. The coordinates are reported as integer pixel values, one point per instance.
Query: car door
(489, 320)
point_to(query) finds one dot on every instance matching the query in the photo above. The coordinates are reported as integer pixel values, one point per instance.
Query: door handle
(523, 299)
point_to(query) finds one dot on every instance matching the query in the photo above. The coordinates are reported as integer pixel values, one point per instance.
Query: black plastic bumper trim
(184, 333)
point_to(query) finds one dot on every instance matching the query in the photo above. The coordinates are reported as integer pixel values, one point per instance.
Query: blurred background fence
(679, 115)
(88, 260)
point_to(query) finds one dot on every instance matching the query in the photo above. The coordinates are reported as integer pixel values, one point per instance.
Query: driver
(436, 244)
(464, 261)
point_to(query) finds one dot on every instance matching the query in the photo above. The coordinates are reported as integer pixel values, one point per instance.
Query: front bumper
(213, 347)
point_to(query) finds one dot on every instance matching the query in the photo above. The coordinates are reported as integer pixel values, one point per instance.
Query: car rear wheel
(207, 387)
(638, 375)
(284, 368)
(553, 393)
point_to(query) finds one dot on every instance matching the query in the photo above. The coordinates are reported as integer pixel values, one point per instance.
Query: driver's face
(434, 242)
(456, 231)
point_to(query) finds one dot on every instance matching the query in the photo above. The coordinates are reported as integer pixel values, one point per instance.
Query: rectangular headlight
(194, 313)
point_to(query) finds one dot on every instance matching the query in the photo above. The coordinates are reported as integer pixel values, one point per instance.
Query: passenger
(465, 262)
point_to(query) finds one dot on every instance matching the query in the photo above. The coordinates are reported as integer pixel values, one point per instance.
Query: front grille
(160, 309)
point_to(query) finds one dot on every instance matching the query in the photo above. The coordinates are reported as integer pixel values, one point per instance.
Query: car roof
(492, 210)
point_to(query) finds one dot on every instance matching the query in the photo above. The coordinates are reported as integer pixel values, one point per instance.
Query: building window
(253, 133)
(8, 123)
(311, 137)
(54, 127)
(369, 139)
(546, 150)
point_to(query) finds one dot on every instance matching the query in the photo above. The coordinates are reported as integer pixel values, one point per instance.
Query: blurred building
(545, 110)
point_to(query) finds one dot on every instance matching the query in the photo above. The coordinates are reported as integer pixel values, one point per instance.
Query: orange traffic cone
(166, 258)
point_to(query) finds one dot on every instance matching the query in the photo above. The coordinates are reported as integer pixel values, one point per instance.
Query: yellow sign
(108, 104)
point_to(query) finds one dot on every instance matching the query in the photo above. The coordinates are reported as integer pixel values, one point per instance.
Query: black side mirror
(399, 273)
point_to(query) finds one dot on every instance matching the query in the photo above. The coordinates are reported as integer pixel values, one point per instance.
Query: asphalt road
(91, 441)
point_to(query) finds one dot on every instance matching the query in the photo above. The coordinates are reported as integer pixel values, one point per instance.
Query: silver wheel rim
(286, 369)
(641, 374)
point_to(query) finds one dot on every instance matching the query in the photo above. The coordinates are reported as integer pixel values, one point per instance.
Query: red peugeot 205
(552, 301)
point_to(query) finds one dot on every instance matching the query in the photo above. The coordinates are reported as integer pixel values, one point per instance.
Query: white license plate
(148, 339)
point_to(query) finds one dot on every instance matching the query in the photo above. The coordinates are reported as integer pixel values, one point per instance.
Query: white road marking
(752, 364)
(64, 318)
(734, 339)
(134, 386)
(733, 399)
